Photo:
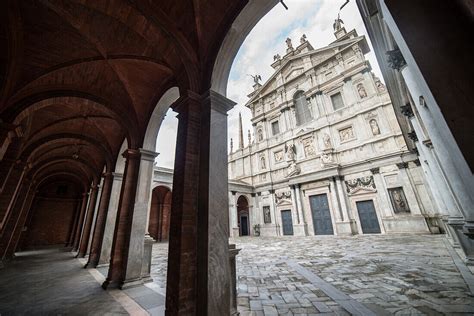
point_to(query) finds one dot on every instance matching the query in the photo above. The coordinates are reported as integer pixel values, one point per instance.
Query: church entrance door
(368, 217)
(321, 215)
(287, 222)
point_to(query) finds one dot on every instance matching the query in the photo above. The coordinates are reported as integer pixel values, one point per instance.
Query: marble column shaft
(108, 236)
(9, 195)
(98, 235)
(198, 281)
(80, 223)
(342, 199)
(299, 205)
(123, 224)
(14, 220)
(88, 223)
(137, 263)
(382, 193)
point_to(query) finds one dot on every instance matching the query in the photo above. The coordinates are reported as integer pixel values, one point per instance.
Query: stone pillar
(344, 227)
(74, 225)
(233, 252)
(98, 235)
(233, 215)
(88, 223)
(385, 205)
(107, 240)
(302, 226)
(296, 219)
(80, 223)
(9, 194)
(29, 197)
(273, 212)
(96, 209)
(198, 281)
(14, 219)
(139, 235)
(123, 223)
(335, 201)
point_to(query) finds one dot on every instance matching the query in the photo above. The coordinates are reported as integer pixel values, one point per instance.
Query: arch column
(108, 236)
(88, 223)
(198, 280)
(16, 220)
(98, 235)
(9, 194)
(80, 223)
(139, 256)
(123, 224)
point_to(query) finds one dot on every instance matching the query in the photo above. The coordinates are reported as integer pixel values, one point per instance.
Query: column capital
(375, 170)
(233, 192)
(131, 154)
(85, 194)
(106, 175)
(117, 175)
(271, 191)
(148, 154)
(402, 165)
(253, 194)
(219, 102)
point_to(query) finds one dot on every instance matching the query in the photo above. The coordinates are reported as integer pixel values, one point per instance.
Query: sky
(314, 18)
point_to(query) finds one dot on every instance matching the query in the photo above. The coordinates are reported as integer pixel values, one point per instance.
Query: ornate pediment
(360, 185)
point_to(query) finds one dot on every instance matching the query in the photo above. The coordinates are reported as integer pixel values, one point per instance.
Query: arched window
(303, 114)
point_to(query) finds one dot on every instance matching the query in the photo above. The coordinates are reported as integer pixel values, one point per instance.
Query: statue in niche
(290, 151)
(361, 90)
(327, 141)
(303, 39)
(399, 201)
(289, 44)
(375, 127)
(293, 169)
(260, 134)
(266, 215)
(263, 165)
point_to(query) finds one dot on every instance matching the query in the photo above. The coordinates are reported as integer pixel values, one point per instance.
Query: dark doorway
(287, 222)
(243, 216)
(321, 215)
(368, 217)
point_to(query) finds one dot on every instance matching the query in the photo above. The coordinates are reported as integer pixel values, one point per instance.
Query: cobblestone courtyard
(364, 275)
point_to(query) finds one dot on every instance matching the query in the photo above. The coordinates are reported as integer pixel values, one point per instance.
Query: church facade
(328, 156)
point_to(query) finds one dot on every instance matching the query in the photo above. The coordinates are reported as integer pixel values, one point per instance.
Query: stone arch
(160, 211)
(243, 216)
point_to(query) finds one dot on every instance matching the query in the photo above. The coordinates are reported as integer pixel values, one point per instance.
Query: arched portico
(243, 216)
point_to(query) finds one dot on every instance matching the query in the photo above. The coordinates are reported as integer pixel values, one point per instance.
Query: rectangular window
(337, 102)
(275, 128)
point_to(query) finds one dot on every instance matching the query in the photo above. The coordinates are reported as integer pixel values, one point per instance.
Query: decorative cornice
(402, 165)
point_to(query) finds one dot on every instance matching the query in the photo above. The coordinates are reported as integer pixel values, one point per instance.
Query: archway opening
(160, 211)
(243, 216)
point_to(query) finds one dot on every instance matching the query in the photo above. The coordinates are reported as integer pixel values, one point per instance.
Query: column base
(235, 232)
(147, 256)
(345, 228)
(131, 283)
(466, 244)
(300, 230)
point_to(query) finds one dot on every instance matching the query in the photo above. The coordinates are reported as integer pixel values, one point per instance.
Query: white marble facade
(328, 155)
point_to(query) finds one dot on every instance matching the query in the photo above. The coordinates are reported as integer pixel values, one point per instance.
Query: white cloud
(311, 17)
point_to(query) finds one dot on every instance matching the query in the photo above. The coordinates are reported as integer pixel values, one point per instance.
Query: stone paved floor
(377, 274)
(52, 283)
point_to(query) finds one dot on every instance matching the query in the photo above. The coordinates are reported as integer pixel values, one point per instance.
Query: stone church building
(328, 156)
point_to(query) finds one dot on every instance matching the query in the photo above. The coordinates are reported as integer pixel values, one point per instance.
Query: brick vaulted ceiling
(80, 76)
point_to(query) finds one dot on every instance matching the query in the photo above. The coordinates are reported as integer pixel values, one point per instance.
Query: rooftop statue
(337, 25)
(288, 43)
